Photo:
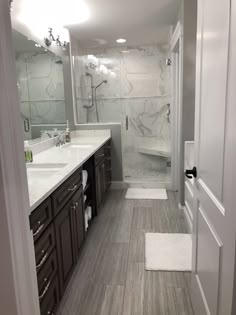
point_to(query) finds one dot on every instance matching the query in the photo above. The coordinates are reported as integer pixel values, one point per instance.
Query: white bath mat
(144, 193)
(168, 252)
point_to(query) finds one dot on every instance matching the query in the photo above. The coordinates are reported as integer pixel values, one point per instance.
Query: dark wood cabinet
(103, 173)
(69, 229)
(65, 244)
(77, 208)
(40, 219)
(44, 246)
(108, 169)
(50, 301)
(100, 183)
(64, 193)
(47, 273)
(58, 227)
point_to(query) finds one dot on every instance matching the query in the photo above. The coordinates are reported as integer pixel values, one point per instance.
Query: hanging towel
(84, 178)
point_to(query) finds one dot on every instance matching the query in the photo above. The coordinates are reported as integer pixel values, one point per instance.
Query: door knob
(191, 173)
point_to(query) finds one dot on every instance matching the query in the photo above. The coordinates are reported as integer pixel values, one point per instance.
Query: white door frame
(176, 47)
(19, 292)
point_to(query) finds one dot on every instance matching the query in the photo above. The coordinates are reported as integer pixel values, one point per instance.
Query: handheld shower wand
(104, 81)
(95, 98)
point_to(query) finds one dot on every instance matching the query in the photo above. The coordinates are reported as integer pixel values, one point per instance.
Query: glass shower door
(146, 142)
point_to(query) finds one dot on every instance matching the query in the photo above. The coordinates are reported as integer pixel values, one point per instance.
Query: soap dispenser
(68, 135)
(28, 153)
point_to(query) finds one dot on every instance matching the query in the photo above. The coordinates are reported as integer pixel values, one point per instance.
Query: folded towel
(84, 178)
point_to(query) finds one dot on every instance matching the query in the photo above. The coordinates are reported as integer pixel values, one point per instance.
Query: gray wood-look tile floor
(110, 278)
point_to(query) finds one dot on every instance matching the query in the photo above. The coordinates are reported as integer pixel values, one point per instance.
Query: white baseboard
(118, 185)
(188, 217)
(198, 299)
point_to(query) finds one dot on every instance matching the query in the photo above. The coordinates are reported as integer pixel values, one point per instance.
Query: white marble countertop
(53, 166)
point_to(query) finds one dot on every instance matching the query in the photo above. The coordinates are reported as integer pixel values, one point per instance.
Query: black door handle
(191, 173)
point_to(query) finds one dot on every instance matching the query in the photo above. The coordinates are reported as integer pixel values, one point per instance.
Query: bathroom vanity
(57, 217)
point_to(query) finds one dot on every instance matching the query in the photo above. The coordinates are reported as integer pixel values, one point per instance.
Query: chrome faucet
(60, 139)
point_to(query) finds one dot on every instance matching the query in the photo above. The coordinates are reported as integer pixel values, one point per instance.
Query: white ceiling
(141, 22)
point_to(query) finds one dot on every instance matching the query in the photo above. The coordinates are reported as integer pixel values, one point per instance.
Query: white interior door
(215, 143)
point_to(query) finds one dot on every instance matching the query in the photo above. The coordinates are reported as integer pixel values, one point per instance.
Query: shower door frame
(176, 47)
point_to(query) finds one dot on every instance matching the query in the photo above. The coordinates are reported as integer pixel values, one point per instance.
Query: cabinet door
(103, 180)
(65, 245)
(100, 182)
(78, 213)
(98, 186)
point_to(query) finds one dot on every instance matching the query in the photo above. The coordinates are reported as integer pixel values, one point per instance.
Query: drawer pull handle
(42, 261)
(73, 188)
(101, 155)
(75, 205)
(45, 291)
(39, 229)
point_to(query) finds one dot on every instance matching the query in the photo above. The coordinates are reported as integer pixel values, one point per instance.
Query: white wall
(188, 18)
(18, 285)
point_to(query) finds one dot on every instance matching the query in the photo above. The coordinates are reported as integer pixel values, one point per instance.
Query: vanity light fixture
(51, 38)
(121, 40)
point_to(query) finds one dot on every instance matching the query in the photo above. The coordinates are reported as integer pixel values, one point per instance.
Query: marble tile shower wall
(41, 88)
(139, 91)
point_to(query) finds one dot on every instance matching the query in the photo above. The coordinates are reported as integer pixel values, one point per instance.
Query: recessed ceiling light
(125, 51)
(37, 45)
(121, 40)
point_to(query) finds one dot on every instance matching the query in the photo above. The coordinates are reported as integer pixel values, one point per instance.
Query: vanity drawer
(44, 246)
(50, 301)
(41, 218)
(99, 155)
(66, 191)
(47, 272)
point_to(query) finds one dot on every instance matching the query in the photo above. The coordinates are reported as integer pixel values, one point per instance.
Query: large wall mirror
(40, 87)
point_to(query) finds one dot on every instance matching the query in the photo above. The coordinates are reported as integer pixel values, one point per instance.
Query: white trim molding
(188, 217)
(176, 36)
(176, 47)
(19, 292)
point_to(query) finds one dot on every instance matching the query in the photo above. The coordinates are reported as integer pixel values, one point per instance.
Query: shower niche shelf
(161, 149)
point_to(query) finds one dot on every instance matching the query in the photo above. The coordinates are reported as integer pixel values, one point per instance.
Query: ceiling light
(55, 14)
(125, 51)
(121, 40)
(74, 12)
(37, 45)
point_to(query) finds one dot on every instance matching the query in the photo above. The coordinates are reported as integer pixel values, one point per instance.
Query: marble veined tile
(48, 112)
(139, 91)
